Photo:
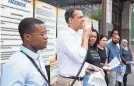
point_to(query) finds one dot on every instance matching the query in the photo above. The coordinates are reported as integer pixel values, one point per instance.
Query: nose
(94, 38)
(45, 37)
(83, 20)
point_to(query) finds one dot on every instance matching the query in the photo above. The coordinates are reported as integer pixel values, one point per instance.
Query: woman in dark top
(102, 52)
(101, 48)
(92, 54)
(126, 56)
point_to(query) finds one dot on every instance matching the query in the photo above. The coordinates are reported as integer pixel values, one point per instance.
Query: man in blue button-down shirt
(113, 51)
(19, 70)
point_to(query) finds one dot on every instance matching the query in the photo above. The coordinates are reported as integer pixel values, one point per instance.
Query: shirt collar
(126, 48)
(74, 32)
(30, 53)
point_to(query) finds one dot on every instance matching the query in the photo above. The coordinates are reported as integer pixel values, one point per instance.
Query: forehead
(78, 13)
(124, 41)
(104, 38)
(116, 37)
(115, 31)
(39, 27)
(94, 34)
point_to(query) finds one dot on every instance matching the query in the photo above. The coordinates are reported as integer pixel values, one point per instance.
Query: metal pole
(104, 6)
(74, 3)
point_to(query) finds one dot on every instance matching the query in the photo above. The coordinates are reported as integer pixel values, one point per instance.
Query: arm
(106, 55)
(12, 75)
(107, 52)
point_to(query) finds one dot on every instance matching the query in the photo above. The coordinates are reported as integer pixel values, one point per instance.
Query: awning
(72, 2)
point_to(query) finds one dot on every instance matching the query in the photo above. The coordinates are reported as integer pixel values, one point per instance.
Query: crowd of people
(77, 46)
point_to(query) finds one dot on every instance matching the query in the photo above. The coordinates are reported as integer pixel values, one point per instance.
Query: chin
(45, 46)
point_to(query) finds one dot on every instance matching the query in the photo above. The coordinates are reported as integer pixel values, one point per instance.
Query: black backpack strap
(79, 71)
(36, 66)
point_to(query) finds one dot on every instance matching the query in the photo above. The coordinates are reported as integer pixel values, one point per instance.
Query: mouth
(45, 42)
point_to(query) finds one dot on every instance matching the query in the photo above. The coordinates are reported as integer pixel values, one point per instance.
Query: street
(131, 76)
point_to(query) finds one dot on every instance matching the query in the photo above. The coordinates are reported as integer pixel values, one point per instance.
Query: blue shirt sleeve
(12, 75)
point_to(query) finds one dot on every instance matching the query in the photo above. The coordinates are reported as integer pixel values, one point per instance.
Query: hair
(113, 31)
(70, 13)
(102, 36)
(97, 40)
(27, 25)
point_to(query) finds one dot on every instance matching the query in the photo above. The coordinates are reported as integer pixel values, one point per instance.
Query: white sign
(61, 22)
(12, 12)
(120, 73)
(113, 64)
(97, 79)
(47, 13)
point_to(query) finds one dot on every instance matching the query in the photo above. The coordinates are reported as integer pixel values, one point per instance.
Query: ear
(71, 20)
(27, 37)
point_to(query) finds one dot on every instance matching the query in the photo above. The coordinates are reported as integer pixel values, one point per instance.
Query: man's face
(39, 37)
(115, 39)
(124, 43)
(78, 19)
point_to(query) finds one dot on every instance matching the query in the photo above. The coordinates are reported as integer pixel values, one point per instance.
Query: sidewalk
(131, 76)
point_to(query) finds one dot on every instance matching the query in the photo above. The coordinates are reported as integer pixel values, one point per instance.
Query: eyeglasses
(42, 34)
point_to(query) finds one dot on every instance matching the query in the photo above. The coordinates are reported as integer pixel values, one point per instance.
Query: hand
(54, 84)
(106, 67)
(96, 68)
(87, 30)
(108, 73)
(102, 64)
(87, 72)
(121, 63)
(93, 67)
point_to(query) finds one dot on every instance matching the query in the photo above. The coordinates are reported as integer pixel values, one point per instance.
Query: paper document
(120, 73)
(97, 79)
(113, 64)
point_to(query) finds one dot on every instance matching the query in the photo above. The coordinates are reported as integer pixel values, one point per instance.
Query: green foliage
(97, 15)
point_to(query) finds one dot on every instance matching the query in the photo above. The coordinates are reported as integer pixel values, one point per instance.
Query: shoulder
(63, 32)
(108, 45)
(18, 60)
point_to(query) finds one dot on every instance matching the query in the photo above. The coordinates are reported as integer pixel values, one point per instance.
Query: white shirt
(70, 54)
(19, 71)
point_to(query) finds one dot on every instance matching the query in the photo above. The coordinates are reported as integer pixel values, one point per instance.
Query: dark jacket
(126, 56)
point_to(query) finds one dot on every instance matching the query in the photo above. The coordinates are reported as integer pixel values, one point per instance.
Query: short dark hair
(102, 36)
(27, 25)
(70, 13)
(113, 31)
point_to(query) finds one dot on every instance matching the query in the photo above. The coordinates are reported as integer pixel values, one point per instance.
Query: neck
(30, 48)
(101, 47)
(125, 46)
(74, 28)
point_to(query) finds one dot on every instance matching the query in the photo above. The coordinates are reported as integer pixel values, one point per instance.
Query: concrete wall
(109, 25)
(126, 21)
